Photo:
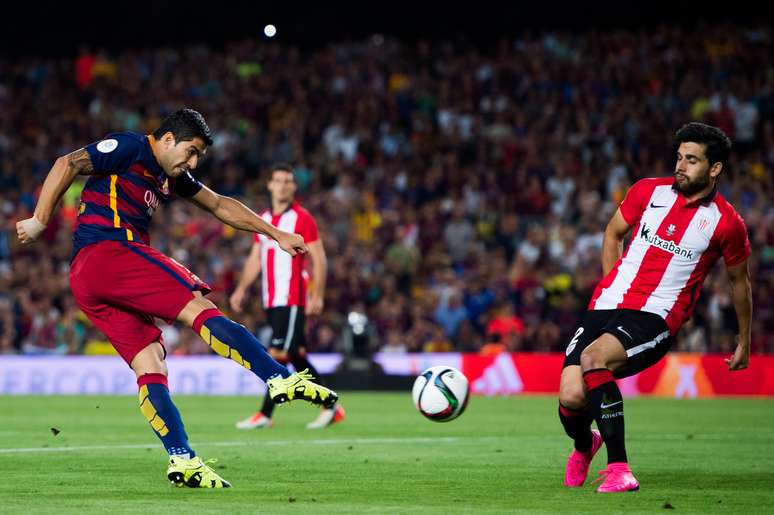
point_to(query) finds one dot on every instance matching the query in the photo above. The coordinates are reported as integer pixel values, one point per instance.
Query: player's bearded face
(688, 186)
(692, 170)
(183, 156)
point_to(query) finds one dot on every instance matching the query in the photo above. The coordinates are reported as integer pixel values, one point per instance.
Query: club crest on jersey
(106, 146)
(165, 187)
(671, 229)
(703, 224)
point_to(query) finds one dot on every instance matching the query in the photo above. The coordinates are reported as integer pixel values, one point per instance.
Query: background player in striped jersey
(121, 283)
(681, 226)
(284, 289)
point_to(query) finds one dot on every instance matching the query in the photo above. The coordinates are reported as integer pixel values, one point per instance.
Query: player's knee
(150, 360)
(592, 358)
(192, 310)
(572, 397)
(160, 369)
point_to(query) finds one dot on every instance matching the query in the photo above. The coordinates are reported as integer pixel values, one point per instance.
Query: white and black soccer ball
(440, 393)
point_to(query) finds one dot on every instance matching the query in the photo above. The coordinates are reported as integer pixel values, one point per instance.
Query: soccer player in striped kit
(284, 289)
(681, 226)
(121, 283)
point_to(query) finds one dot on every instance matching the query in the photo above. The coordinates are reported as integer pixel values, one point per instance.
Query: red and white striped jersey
(673, 247)
(283, 277)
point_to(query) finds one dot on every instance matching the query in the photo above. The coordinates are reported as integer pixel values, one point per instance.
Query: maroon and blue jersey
(128, 185)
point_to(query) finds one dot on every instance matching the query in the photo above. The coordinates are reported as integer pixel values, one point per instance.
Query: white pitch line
(363, 441)
(237, 443)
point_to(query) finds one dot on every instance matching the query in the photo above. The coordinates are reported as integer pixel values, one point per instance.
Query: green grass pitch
(503, 455)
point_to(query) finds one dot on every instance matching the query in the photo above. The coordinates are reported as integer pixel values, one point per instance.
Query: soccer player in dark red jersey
(121, 283)
(284, 289)
(681, 226)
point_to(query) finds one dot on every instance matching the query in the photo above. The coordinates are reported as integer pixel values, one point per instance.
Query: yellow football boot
(300, 386)
(194, 473)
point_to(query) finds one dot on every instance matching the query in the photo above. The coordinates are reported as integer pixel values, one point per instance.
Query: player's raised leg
(598, 361)
(576, 418)
(234, 341)
(185, 467)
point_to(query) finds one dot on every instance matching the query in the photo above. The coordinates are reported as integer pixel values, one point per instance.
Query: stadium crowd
(461, 192)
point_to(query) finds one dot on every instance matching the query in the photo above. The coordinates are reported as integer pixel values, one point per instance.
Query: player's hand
(29, 230)
(235, 301)
(740, 359)
(292, 243)
(314, 305)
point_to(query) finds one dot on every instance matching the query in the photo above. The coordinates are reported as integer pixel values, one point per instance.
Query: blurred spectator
(458, 234)
(7, 327)
(70, 330)
(41, 337)
(450, 313)
(506, 328)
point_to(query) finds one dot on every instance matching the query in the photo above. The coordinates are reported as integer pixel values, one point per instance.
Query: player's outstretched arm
(59, 178)
(232, 212)
(314, 305)
(741, 294)
(249, 274)
(612, 244)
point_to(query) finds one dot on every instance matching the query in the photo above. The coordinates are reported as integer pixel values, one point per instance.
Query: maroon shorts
(121, 286)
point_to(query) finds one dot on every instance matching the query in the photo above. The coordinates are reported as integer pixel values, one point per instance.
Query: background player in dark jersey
(682, 226)
(121, 283)
(284, 289)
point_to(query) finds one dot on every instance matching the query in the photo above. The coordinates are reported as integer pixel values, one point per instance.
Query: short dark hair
(281, 167)
(185, 125)
(718, 145)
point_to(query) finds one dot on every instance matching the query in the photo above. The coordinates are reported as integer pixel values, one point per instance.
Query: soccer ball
(441, 393)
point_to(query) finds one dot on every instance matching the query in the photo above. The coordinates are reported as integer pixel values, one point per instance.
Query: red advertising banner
(677, 375)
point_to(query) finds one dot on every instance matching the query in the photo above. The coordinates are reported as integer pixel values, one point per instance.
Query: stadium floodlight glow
(270, 30)
(357, 321)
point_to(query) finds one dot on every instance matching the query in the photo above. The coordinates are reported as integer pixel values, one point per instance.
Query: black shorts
(288, 328)
(645, 336)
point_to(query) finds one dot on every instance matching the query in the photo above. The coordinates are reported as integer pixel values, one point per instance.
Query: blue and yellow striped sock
(233, 341)
(157, 406)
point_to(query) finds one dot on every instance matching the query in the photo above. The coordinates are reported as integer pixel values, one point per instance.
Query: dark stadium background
(53, 28)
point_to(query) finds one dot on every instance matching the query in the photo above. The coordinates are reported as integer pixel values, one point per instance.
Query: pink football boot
(578, 462)
(617, 478)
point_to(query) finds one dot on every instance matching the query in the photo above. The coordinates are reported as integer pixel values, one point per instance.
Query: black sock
(606, 404)
(577, 425)
(268, 406)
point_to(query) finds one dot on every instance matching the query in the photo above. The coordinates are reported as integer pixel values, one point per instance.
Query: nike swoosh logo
(605, 406)
(654, 205)
(624, 331)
